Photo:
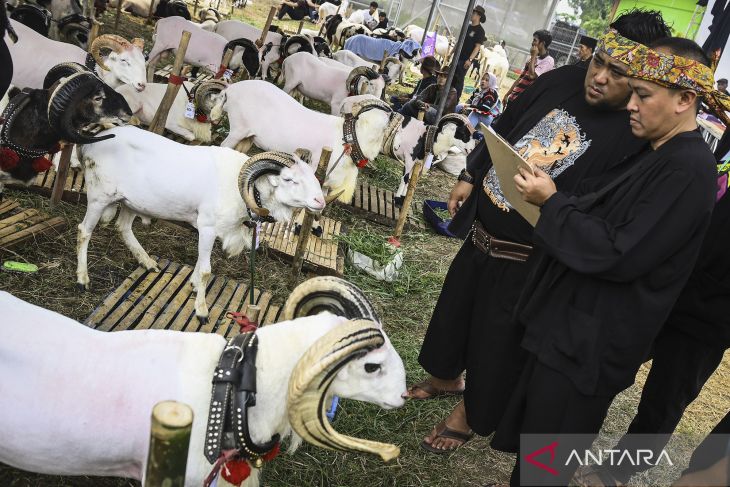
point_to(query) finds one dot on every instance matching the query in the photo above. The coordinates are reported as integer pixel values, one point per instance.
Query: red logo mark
(530, 458)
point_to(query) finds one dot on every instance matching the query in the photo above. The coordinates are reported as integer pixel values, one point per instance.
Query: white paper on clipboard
(507, 161)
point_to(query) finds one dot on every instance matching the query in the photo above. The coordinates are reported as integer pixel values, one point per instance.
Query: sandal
(590, 476)
(447, 432)
(432, 391)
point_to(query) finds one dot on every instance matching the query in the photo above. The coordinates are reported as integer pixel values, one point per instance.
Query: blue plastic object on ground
(439, 225)
(332, 411)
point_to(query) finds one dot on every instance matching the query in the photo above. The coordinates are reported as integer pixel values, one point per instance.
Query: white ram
(155, 177)
(392, 67)
(34, 55)
(77, 401)
(255, 109)
(235, 29)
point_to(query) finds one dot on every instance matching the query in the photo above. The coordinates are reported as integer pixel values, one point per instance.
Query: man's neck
(688, 125)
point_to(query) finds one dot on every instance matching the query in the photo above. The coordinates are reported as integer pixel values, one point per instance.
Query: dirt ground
(405, 307)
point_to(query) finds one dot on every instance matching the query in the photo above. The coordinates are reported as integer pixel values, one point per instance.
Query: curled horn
(359, 71)
(456, 118)
(317, 369)
(61, 102)
(392, 60)
(107, 41)
(138, 43)
(62, 70)
(369, 104)
(207, 87)
(303, 43)
(265, 163)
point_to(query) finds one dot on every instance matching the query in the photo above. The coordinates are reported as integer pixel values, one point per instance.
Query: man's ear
(687, 100)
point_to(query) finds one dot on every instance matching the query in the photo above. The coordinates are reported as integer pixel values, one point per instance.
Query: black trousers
(459, 76)
(471, 329)
(546, 402)
(681, 365)
(295, 13)
(6, 68)
(712, 449)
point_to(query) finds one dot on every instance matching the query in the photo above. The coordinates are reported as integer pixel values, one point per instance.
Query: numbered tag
(190, 110)
(427, 163)
(258, 234)
(227, 75)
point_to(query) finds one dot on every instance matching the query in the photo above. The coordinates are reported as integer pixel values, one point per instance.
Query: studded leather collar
(431, 131)
(234, 391)
(11, 112)
(349, 138)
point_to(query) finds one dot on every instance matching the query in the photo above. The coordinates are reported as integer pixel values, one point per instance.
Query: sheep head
(246, 55)
(125, 61)
(454, 130)
(208, 96)
(354, 360)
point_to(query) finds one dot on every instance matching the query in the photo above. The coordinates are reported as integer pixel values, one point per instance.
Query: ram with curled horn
(34, 55)
(214, 189)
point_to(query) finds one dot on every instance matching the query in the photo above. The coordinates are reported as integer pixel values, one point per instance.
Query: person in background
(585, 51)
(475, 37)
(383, 24)
(6, 73)
(430, 98)
(295, 10)
(429, 66)
(540, 62)
(484, 103)
(369, 17)
(503, 43)
(722, 86)
(475, 68)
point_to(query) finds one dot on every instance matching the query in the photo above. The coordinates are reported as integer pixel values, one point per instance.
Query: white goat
(77, 401)
(318, 80)
(442, 42)
(209, 18)
(206, 49)
(234, 29)
(494, 61)
(327, 9)
(144, 105)
(255, 111)
(137, 7)
(392, 66)
(154, 177)
(33, 55)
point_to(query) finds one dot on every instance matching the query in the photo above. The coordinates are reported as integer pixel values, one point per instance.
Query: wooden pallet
(166, 300)
(18, 225)
(377, 205)
(74, 191)
(322, 255)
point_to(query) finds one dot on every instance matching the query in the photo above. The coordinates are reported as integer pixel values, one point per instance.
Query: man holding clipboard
(574, 125)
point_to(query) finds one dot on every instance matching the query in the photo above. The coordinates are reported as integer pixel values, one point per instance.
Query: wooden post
(382, 61)
(172, 423)
(195, 9)
(94, 33)
(226, 61)
(149, 13)
(158, 122)
(406, 208)
(265, 32)
(117, 15)
(306, 229)
(301, 25)
(63, 164)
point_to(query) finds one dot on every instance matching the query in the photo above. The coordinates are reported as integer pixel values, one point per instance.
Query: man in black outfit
(475, 37)
(296, 10)
(612, 258)
(572, 123)
(585, 51)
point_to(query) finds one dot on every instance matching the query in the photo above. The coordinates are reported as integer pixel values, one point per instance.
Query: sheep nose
(140, 86)
(319, 202)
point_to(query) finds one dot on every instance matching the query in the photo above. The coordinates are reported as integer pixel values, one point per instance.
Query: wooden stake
(306, 229)
(158, 122)
(94, 33)
(299, 29)
(382, 61)
(117, 15)
(61, 173)
(226, 61)
(172, 423)
(265, 32)
(195, 9)
(406, 208)
(149, 13)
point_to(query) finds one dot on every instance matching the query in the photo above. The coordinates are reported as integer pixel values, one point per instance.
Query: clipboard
(507, 161)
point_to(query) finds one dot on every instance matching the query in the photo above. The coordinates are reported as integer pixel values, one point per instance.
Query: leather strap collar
(431, 131)
(90, 62)
(234, 391)
(349, 138)
(396, 120)
(15, 106)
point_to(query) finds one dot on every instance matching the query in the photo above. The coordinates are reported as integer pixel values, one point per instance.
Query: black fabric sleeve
(665, 215)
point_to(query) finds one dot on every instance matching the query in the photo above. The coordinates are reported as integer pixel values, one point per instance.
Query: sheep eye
(370, 368)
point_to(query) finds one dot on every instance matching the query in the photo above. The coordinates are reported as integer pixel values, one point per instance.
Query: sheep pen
(404, 305)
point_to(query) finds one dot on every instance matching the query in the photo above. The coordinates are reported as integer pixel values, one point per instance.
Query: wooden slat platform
(322, 255)
(74, 191)
(165, 300)
(377, 205)
(18, 224)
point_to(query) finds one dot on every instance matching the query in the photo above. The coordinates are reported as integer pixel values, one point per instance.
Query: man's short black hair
(381, 14)
(544, 36)
(374, 4)
(722, 80)
(642, 26)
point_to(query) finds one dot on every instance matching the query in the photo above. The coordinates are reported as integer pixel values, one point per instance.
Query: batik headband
(666, 70)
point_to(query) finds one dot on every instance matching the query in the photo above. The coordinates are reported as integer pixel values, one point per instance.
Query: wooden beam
(406, 208)
(172, 423)
(63, 164)
(195, 9)
(301, 25)
(265, 32)
(149, 13)
(117, 15)
(158, 122)
(94, 33)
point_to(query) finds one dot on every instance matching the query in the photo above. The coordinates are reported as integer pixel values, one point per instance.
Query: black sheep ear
(13, 91)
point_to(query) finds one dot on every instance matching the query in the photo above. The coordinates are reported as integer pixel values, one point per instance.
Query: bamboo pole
(406, 208)
(195, 9)
(301, 25)
(117, 15)
(94, 33)
(308, 220)
(158, 122)
(225, 62)
(172, 423)
(149, 13)
(265, 32)
(61, 173)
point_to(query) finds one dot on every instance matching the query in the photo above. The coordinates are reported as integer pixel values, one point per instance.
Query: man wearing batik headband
(572, 136)
(612, 258)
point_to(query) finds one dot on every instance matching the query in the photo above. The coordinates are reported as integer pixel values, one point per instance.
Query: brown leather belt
(499, 249)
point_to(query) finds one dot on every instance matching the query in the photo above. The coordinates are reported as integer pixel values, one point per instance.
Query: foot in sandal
(434, 387)
(450, 433)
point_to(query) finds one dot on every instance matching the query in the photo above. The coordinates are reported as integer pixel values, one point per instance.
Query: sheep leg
(206, 240)
(152, 67)
(124, 226)
(236, 136)
(94, 211)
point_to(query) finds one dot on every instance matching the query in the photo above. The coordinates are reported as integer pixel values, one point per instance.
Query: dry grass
(405, 307)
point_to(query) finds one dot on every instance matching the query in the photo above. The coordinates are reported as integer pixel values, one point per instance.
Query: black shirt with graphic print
(474, 35)
(553, 126)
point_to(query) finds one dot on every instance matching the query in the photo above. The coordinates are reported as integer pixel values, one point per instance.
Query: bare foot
(434, 387)
(456, 422)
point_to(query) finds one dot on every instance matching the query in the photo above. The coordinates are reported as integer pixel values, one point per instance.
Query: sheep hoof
(82, 287)
(318, 232)
(398, 201)
(203, 320)
(297, 229)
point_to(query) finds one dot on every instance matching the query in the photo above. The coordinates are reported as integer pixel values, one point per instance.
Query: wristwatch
(466, 177)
